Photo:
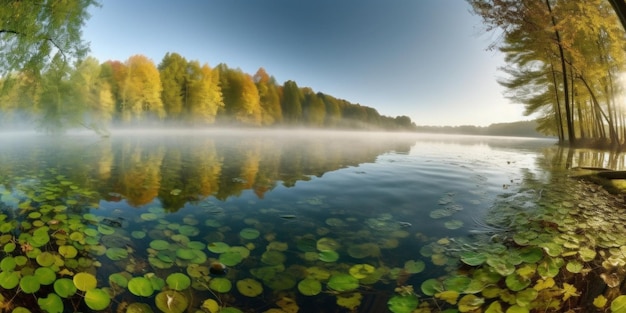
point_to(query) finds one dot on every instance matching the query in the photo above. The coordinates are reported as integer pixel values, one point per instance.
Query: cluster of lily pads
(564, 252)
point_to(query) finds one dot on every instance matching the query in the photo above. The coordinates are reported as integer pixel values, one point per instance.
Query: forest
(564, 60)
(176, 92)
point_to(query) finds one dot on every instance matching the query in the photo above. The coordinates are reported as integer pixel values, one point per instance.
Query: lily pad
(68, 251)
(64, 287)
(328, 256)
(249, 233)
(9, 279)
(45, 275)
(309, 287)
(84, 281)
(414, 267)
(343, 282)
(272, 257)
(327, 244)
(29, 284)
(249, 287)
(473, 258)
(171, 301)
(360, 271)
(140, 286)
(431, 286)
(220, 284)
(159, 244)
(218, 247)
(178, 281)
(97, 299)
(51, 304)
(402, 303)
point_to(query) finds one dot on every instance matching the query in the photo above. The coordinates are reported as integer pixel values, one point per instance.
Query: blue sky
(421, 58)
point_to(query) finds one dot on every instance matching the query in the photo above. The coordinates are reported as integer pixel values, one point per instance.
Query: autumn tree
(241, 98)
(173, 73)
(93, 96)
(203, 96)
(141, 90)
(292, 102)
(269, 97)
(313, 109)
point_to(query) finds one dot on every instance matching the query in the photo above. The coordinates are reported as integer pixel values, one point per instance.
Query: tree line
(175, 92)
(564, 62)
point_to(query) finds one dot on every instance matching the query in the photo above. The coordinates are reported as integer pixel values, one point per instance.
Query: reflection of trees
(182, 169)
(140, 172)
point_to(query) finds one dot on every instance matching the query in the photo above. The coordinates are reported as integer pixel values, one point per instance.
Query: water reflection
(181, 168)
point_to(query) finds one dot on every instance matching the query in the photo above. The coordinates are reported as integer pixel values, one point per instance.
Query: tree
(92, 95)
(173, 72)
(269, 97)
(204, 95)
(313, 109)
(34, 33)
(141, 91)
(292, 102)
(241, 98)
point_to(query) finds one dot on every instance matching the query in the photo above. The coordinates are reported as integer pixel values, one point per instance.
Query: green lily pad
(281, 281)
(84, 281)
(186, 253)
(139, 308)
(140, 286)
(327, 244)
(310, 287)
(414, 267)
(45, 275)
(97, 299)
(188, 230)
(171, 301)
(29, 284)
(231, 258)
(220, 284)
(159, 244)
(516, 282)
(574, 266)
(587, 254)
(360, 271)
(138, 234)
(456, 283)
(51, 304)
(9, 247)
(402, 303)
(9, 279)
(64, 287)
(328, 256)
(343, 282)
(453, 224)
(8, 264)
(45, 259)
(272, 257)
(249, 233)
(68, 251)
(178, 281)
(431, 286)
(531, 255)
(218, 247)
(249, 287)
(116, 254)
(118, 279)
(472, 258)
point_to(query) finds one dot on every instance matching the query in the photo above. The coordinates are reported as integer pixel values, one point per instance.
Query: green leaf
(618, 305)
(220, 284)
(252, 288)
(343, 282)
(140, 286)
(97, 299)
(402, 304)
(307, 287)
(171, 301)
(64, 287)
(178, 281)
(51, 304)
(84, 281)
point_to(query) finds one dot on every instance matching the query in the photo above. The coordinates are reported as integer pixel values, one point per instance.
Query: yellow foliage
(449, 296)
(544, 284)
(599, 301)
(569, 291)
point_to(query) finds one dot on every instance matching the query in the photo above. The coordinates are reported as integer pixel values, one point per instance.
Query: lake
(298, 221)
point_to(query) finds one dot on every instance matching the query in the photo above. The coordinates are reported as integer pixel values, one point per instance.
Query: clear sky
(421, 58)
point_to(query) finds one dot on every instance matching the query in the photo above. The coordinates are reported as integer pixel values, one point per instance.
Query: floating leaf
(140, 286)
(310, 287)
(171, 301)
(431, 286)
(249, 287)
(249, 233)
(449, 296)
(220, 284)
(600, 301)
(68, 251)
(453, 224)
(457, 283)
(84, 281)
(328, 256)
(178, 281)
(516, 282)
(8, 264)
(618, 305)
(343, 282)
(45, 275)
(29, 284)
(272, 257)
(159, 244)
(349, 301)
(64, 287)
(9, 279)
(211, 305)
(327, 244)
(402, 304)
(360, 271)
(574, 266)
(218, 247)
(470, 303)
(45, 259)
(51, 304)
(97, 299)
(231, 257)
(414, 267)
(473, 258)
(116, 254)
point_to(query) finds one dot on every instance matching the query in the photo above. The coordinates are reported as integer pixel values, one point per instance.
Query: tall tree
(92, 94)
(141, 92)
(241, 98)
(292, 102)
(173, 72)
(269, 97)
(33, 33)
(203, 93)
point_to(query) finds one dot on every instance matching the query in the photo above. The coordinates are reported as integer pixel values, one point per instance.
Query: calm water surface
(304, 222)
